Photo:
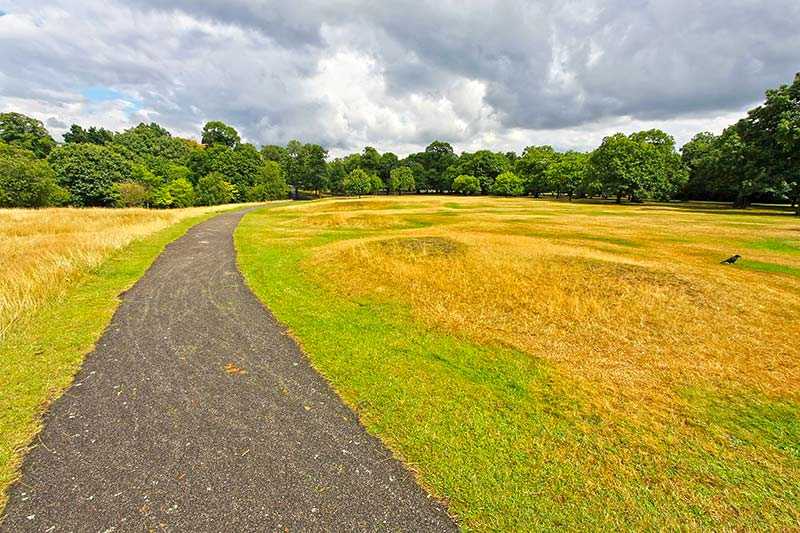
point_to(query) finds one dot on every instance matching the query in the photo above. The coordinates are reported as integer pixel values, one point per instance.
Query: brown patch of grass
(44, 251)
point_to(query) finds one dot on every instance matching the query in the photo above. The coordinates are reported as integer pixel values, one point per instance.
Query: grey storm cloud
(396, 74)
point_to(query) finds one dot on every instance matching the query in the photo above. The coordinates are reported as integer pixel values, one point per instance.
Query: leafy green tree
(26, 132)
(484, 165)
(337, 172)
(89, 172)
(25, 180)
(375, 184)
(508, 184)
(212, 189)
(269, 184)
(273, 152)
(532, 168)
(371, 160)
(401, 180)
(430, 167)
(239, 166)
(77, 134)
(389, 162)
(669, 173)
(358, 182)
(625, 166)
(152, 145)
(217, 132)
(465, 184)
(314, 167)
(568, 173)
(770, 137)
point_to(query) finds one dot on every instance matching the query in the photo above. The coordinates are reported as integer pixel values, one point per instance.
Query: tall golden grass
(631, 301)
(44, 251)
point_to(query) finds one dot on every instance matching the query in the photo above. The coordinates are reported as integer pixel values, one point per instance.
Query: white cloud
(496, 74)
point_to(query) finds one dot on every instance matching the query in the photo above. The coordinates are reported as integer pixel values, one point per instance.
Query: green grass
(776, 245)
(509, 442)
(763, 266)
(42, 353)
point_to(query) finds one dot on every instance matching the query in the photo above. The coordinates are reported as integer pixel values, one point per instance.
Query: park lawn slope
(43, 350)
(513, 437)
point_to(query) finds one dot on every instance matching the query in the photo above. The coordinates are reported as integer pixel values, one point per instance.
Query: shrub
(132, 194)
(178, 193)
(464, 184)
(212, 189)
(508, 184)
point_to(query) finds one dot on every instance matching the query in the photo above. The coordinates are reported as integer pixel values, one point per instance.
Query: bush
(212, 189)
(89, 172)
(26, 181)
(464, 184)
(268, 184)
(508, 184)
(178, 193)
(132, 194)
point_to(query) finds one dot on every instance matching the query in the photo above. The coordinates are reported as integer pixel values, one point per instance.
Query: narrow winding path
(196, 412)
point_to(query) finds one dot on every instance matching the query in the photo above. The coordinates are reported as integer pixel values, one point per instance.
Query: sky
(397, 74)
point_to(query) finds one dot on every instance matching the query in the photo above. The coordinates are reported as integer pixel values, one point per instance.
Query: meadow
(544, 364)
(63, 271)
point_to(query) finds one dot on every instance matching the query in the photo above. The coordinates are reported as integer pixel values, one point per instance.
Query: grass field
(63, 270)
(549, 364)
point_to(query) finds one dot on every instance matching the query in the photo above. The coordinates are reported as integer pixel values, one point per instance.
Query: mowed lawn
(545, 364)
(62, 272)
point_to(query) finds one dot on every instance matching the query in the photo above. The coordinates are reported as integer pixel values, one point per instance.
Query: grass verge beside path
(511, 440)
(41, 353)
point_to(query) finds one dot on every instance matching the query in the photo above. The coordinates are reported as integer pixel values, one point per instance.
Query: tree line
(756, 159)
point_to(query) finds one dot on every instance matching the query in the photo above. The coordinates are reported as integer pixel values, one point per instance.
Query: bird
(731, 260)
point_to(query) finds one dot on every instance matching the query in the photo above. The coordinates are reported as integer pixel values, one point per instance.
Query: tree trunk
(619, 197)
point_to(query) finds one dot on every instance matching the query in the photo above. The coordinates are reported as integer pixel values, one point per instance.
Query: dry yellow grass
(630, 300)
(44, 251)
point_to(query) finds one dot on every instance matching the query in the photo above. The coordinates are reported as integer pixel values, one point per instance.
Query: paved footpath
(196, 412)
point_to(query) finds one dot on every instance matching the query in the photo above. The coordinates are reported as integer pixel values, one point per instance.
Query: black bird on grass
(731, 260)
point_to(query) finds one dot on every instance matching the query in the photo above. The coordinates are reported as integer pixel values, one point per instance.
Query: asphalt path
(197, 412)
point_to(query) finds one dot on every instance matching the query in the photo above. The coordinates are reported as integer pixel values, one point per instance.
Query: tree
(77, 134)
(431, 172)
(375, 184)
(26, 132)
(401, 180)
(26, 181)
(238, 166)
(770, 137)
(358, 182)
(532, 168)
(568, 173)
(389, 162)
(508, 184)
(152, 145)
(485, 165)
(465, 184)
(212, 189)
(314, 167)
(627, 166)
(89, 172)
(269, 184)
(371, 160)
(272, 152)
(669, 174)
(217, 132)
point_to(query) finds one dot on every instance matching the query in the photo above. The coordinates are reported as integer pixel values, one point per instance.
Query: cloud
(501, 74)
